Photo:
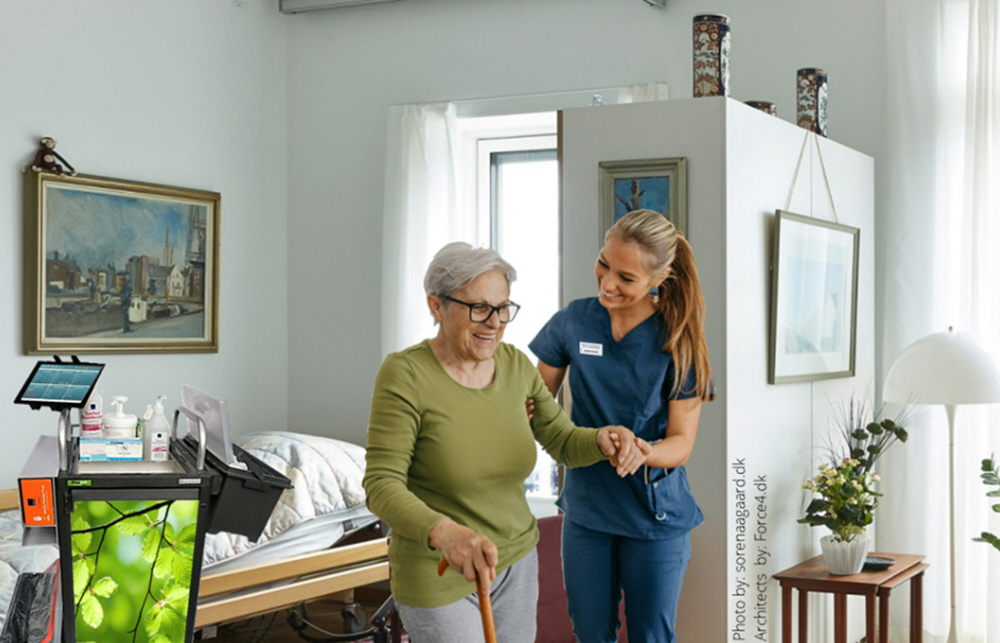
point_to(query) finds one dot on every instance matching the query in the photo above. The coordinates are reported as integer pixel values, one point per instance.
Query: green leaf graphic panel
(132, 569)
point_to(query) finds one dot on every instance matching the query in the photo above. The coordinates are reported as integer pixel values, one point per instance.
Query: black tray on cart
(242, 501)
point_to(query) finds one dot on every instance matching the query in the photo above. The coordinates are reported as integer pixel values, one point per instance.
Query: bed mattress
(315, 535)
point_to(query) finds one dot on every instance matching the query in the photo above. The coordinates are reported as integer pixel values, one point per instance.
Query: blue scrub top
(627, 382)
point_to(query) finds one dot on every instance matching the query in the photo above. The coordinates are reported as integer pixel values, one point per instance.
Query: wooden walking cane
(485, 605)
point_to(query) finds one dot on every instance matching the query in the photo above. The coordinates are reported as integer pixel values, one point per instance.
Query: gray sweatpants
(515, 600)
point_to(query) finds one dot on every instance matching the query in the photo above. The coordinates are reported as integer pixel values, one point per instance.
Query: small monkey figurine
(47, 158)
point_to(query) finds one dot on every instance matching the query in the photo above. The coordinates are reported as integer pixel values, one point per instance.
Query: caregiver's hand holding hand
(625, 451)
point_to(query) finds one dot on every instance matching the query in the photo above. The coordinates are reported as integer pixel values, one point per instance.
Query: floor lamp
(950, 369)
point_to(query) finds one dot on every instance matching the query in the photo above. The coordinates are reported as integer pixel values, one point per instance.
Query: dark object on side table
(878, 563)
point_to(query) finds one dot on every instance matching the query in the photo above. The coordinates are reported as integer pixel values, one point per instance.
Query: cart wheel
(355, 618)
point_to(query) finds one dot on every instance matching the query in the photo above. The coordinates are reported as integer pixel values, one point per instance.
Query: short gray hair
(458, 263)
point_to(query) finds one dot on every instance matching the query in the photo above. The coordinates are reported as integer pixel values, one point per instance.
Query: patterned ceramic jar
(711, 55)
(765, 106)
(812, 97)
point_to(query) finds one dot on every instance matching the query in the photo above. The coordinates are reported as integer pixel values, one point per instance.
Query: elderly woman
(449, 448)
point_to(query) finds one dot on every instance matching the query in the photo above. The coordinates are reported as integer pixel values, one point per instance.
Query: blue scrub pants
(597, 566)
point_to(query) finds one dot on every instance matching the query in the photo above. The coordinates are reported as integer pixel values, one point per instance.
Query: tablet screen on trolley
(60, 384)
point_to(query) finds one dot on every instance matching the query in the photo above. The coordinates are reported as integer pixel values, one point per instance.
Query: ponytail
(682, 304)
(681, 301)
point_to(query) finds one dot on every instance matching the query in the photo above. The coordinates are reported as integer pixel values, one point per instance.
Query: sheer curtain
(420, 214)
(943, 269)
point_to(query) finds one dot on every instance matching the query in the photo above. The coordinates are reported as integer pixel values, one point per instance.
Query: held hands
(625, 451)
(466, 551)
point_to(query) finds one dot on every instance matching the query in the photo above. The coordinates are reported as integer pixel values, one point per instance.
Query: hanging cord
(822, 165)
(826, 180)
(795, 175)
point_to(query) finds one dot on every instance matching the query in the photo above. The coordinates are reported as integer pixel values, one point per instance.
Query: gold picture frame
(115, 266)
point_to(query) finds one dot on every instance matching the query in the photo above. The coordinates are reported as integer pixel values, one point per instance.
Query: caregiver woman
(640, 360)
(449, 448)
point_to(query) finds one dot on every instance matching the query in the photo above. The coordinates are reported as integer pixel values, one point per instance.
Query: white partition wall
(756, 442)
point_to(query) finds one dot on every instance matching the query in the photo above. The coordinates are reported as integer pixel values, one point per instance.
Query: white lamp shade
(943, 368)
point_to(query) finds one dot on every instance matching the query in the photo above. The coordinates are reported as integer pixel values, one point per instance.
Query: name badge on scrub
(589, 348)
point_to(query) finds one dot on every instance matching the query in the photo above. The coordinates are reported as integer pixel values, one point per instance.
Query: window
(511, 179)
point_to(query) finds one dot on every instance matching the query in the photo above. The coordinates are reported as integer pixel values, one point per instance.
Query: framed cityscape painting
(115, 266)
(659, 185)
(814, 299)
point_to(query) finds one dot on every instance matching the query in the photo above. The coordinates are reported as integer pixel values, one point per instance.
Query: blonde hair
(681, 301)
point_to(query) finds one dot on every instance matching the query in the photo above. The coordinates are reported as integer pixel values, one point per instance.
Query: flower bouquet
(844, 499)
(844, 495)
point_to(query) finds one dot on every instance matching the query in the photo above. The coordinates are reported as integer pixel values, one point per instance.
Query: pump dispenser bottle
(157, 438)
(119, 424)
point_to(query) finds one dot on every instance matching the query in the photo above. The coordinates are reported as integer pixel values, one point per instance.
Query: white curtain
(942, 232)
(420, 215)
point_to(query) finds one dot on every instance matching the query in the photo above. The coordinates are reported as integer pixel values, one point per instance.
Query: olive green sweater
(437, 448)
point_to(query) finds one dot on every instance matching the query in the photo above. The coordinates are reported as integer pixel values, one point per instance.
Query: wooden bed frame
(297, 579)
(309, 576)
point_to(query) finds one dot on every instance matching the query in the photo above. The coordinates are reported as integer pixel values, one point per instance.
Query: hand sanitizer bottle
(158, 433)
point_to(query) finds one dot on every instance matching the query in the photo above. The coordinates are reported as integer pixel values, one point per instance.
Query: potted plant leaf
(991, 478)
(844, 495)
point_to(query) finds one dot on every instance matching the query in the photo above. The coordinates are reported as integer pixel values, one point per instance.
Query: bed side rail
(213, 611)
(294, 567)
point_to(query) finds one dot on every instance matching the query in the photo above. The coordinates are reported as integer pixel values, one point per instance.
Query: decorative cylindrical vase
(844, 558)
(765, 106)
(812, 96)
(711, 55)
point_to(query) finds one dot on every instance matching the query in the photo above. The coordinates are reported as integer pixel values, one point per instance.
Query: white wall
(696, 130)
(188, 93)
(784, 431)
(347, 66)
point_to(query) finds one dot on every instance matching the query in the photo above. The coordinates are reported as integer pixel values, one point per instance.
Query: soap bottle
(158, 433)
(90, 423)
(119, 424)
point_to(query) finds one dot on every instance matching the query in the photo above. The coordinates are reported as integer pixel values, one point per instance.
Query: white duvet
(326, 475)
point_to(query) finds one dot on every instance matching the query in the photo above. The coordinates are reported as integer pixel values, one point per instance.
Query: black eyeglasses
(481, 313)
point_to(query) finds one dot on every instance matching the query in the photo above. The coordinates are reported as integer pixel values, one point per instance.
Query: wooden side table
(813, 576)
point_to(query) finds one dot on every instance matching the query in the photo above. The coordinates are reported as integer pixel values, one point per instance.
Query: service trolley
(131, 534)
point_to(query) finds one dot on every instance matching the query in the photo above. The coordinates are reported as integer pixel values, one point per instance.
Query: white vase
(844, 558)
